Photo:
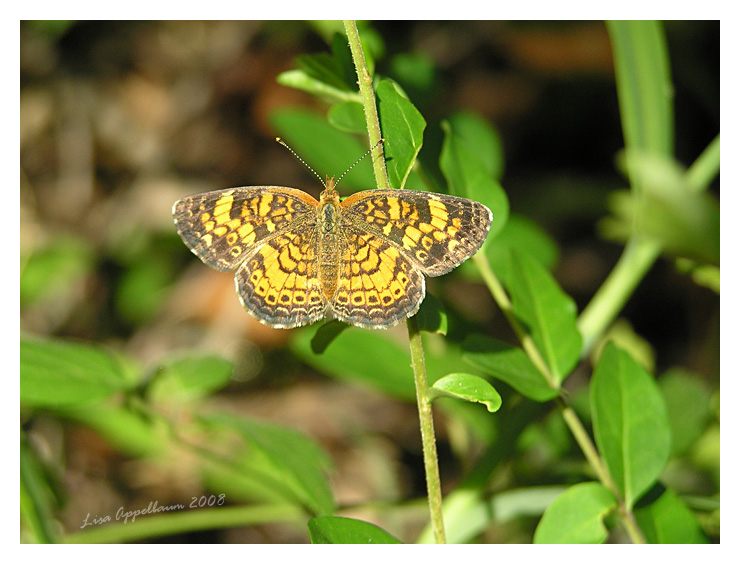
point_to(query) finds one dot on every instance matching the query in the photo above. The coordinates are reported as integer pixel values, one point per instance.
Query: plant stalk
(426, 421)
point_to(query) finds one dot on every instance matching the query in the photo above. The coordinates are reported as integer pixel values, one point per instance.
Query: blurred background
(120, 119)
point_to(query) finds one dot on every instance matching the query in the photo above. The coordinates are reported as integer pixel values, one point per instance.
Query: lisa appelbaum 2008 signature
(154, 507)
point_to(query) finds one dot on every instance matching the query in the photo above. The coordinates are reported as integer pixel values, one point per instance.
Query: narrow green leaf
(288, 460)
(37, 499)
(466, 387)
(547, 313)
(576, 516)
(664, 519)
(630, 423)
(343, 530)
(508, 364)
(403, 129)
(300, 80)
(644, 84)
(127, 430)
(62, 373)
(190, 377)
(467, 175)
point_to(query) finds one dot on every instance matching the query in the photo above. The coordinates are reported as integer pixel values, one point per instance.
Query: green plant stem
(151, 526)
(612, 295)
(429, 444)
(365, 82)
(568, 414)
(426, 421)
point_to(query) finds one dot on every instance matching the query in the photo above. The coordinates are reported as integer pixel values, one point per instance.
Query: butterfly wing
(224, 226)
(435, 232)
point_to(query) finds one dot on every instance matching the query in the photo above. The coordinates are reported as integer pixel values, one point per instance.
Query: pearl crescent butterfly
(361, 260)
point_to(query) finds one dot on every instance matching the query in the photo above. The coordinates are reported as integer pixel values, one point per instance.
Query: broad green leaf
(576, 516)
(324, 68)
(62, 373)
(284, 459)
(190, 377)
(480, 138)
(687, 400)
(329, 151)
(432, 316)
(375, 359)
(55, 269)
(508, 364)
(468, 176)
(348, 116)
(403, 129)
(547, 313)
(343, 530)
(418, 75)
(630, 423)
(367, 357)
(466, 387)
(664, 519)
(523, 234)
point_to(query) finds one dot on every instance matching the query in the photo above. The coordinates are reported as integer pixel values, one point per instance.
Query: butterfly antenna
(370, 150)
(284, 144)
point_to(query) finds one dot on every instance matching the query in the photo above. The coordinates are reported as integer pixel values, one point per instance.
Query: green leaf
(55, 269)
(630, 423)
(190, 377)
(324, 68)
(508, 364)
(374, 359)
(644, 84)
(467, 175)
(37, 499)
(432, 316)
(667, 209)
(327, 150)
(343, 530)
(285, 460)
(403, 129)
(687, 400)
(368, 357)
(60, 373)
(477, 135)
(664, 519)
(348, 116)
(466, 387)
(523, 234)
(417, 74)
(547, 313)
(576, 516)
(301, 80)
(468, 513)
(128, 431)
